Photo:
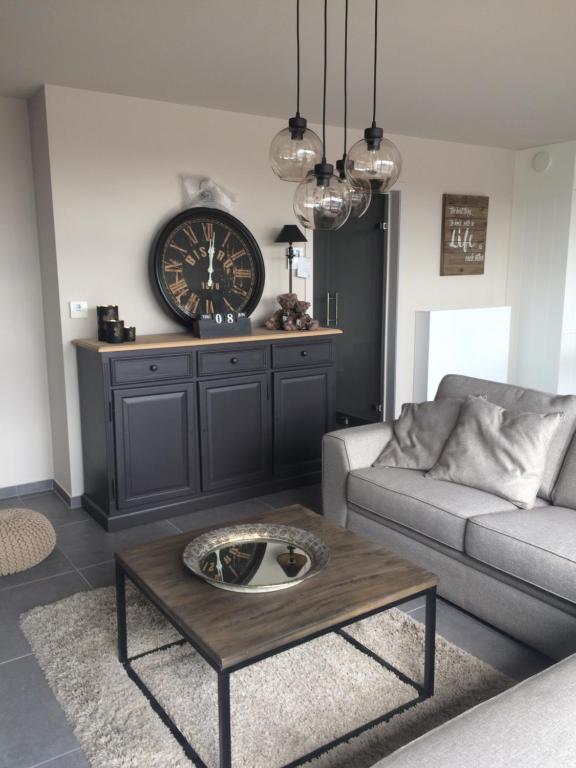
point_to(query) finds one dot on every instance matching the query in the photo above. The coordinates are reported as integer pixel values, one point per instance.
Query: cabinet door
(303, 413)
(235, 416)
(156, 453)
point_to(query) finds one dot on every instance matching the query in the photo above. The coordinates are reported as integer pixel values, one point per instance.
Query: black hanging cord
(345, 76)
(324, 86)
(297, 58)
(375, 60)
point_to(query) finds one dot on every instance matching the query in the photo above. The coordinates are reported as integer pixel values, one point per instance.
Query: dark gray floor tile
(32, 725)
(17, 600)
(308, 495)
(227, 513)
(51, 505)
(102, 575)
(87, 543)
(500, 651)
(54, 564)
(13, 501)
(75, 759)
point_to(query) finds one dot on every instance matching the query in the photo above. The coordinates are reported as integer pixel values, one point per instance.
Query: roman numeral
(179, 289)
(240, 292)
(209, 307)
(226, 238)
(241, 273)
(192, 303)
(208, 229)
(230, 307)
(238, 254)
(173, 266)
(178, 248)
(190, 234)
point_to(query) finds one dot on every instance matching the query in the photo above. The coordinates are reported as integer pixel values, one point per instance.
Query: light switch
(78, 309)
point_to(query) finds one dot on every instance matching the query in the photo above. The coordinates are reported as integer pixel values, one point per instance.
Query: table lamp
(290, 234)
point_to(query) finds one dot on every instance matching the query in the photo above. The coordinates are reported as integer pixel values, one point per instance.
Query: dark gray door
(303, 409)
(156, 453)
(349, 291)
(235, 417)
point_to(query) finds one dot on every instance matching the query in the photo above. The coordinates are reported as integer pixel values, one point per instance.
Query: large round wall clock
(204, 262)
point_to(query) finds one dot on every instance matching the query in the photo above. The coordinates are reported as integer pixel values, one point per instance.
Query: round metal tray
(257, 557)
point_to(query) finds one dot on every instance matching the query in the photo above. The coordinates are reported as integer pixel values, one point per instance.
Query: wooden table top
(232, 628)
(176, 340)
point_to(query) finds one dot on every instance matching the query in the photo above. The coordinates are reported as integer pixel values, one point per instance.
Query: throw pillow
(420, 433)
(498, 451)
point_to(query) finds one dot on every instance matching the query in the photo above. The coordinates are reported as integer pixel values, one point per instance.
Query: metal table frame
(423, 690)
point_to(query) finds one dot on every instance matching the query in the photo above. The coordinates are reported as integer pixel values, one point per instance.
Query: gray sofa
(513, 568)
(528, 726)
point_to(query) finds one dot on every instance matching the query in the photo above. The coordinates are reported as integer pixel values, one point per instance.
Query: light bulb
(374, 159)
(322, 200)
(359, 191)
(295, 150)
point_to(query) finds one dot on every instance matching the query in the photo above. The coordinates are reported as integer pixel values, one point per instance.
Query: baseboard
(74, 502)
(41, 486)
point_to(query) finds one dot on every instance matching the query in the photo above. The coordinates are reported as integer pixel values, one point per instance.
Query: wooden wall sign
(464, 225)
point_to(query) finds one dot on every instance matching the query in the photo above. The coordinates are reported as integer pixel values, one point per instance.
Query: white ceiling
(496, 72)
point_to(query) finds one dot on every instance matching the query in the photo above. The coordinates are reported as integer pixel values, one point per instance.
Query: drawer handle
(154, 367)
(234, 360)
(304, 353)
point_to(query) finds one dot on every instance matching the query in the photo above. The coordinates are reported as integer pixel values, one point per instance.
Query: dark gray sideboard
(174, 424)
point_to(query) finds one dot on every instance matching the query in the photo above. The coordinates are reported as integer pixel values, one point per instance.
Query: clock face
(205, 261)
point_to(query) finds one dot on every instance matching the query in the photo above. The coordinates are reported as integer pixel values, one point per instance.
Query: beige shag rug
(282, 707)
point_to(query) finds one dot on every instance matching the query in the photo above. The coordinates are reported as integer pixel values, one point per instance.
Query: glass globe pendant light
(295, 150)
(322, 200)
(374, 158)
(360, 191)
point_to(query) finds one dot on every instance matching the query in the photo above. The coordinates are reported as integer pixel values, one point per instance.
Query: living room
(208, 343)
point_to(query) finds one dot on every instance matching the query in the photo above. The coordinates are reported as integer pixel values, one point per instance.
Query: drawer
(292, 355)
(232, 361)
(128, 370)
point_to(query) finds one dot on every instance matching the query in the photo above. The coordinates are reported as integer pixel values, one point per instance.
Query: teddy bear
(292, 315)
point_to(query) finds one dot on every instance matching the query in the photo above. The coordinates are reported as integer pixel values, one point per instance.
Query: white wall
(114, 163)
(25, 439)
(539, 260)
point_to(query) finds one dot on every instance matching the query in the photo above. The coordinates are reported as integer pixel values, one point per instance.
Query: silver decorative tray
(256, 557)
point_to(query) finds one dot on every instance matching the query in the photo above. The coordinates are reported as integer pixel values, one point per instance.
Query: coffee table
(231, 630)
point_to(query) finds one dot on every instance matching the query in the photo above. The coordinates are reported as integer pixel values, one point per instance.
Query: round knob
(304, 353)
(234, 360)
(153, 367)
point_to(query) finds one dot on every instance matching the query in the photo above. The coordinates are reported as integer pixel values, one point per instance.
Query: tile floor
(33, 729)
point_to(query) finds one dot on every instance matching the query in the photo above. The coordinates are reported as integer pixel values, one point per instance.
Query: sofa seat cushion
(434, 508)
(535, 545)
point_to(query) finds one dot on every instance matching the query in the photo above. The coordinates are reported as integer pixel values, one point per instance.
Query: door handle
(334, 298)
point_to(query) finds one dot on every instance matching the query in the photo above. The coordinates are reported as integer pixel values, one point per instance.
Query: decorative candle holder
(105, 313)
(130, 333)
(114, 331)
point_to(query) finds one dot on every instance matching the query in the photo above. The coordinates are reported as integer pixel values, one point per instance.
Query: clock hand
(210, 282)
(219, 566)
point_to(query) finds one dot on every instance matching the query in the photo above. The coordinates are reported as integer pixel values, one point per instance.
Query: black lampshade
(290, 234)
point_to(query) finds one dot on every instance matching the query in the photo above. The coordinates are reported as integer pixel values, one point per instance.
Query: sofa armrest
(343, 451)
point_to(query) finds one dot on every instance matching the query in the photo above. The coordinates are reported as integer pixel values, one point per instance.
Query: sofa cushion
(535, 545)
(518, 399)
(438, 509)
(529, 726)
(498, 451)
(564, 493)
(420, 434)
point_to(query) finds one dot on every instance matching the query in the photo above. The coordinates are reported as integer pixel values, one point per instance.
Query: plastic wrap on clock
(204, 192)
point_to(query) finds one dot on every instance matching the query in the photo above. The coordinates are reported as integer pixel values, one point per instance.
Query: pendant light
(296, 149)
(374, 158)
(322, 200)
(360, 191)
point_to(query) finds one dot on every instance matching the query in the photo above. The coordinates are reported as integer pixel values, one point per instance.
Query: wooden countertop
(174, 340)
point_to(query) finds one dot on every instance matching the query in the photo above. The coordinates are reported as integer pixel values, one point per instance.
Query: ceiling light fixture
(322, 200)
(360, 191)
(374, 158)
(296, 149)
